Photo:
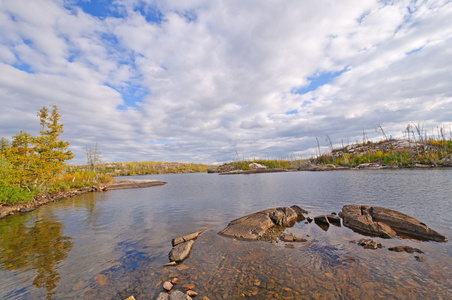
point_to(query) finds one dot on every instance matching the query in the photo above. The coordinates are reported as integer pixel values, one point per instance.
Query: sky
(211, 81)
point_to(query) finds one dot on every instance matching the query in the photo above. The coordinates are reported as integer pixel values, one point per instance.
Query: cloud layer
(200, 81)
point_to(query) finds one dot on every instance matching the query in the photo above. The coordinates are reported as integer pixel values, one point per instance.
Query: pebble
(167, 285)
(176, 281)
(189, 287)
(192, 293)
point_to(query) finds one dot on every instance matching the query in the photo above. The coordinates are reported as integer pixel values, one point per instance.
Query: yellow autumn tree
(37, 159)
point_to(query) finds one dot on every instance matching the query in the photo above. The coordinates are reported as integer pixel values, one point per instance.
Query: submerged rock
(254, 226)
(386, 222)
(162, 296)
(407, 249)
(178, 295)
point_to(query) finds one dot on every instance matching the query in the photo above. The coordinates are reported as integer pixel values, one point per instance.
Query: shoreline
(11, 209)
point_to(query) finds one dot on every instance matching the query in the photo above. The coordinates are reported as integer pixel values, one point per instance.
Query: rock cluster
(369, 244)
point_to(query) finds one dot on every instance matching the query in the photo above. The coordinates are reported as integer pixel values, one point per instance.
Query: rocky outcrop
(132, 184)
(254, 226)
(385, 222)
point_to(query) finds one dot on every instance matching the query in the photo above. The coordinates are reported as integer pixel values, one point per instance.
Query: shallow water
(112, 245)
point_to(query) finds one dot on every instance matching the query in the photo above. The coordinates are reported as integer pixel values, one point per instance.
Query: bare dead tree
(408, 129)
(93, 157)
(378, 128)
(330, 143)
(443, 137)
(318, 145)
(419, 129)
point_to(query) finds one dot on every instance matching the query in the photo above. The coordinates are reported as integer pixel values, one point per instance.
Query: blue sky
(199, 80)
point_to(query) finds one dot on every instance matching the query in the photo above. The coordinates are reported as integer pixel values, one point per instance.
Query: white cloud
(219, 75)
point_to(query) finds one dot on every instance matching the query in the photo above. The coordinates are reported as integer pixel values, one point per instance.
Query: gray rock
(254, 226)
(162, 296)
(181, 251)
(386, 222)
(178, 295)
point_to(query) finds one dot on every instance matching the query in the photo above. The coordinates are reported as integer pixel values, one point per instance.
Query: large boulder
(254, 226)
(385, 222)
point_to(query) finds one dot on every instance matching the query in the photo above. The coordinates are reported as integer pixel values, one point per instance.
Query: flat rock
(254, 226)
(132, 184)
(180, 251)
(386, 222)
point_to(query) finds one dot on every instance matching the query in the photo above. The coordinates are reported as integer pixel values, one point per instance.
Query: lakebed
(112, 245)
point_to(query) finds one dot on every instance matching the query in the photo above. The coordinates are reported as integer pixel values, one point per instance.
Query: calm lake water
(112, 245)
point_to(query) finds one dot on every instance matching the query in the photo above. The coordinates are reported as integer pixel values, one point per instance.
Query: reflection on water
(38, 245)
(112, 245)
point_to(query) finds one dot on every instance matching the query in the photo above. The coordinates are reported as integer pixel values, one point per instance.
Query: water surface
(112, 245)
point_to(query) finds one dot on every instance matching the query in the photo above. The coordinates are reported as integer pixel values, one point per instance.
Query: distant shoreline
(11, 209)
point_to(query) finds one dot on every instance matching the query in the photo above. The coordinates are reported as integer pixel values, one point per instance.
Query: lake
(114, 244)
